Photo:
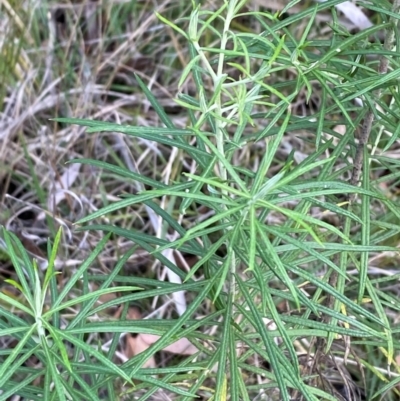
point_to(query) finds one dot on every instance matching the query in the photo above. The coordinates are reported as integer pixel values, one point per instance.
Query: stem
(369, 118)
(358, 160)
(218, 101)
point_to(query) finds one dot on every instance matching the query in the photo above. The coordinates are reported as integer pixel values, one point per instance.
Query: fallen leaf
(181, 347)
(134, 345)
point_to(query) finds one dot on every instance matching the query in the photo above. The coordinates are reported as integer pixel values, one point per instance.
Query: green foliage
(274, 245)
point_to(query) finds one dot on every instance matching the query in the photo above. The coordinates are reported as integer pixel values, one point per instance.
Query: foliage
(283, 255)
